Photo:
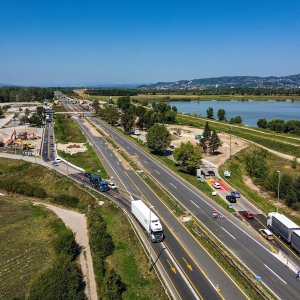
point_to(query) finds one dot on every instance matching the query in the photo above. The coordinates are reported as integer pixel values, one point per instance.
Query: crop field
(25, 242)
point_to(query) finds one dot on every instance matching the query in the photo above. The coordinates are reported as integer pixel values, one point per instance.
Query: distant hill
(291, 81)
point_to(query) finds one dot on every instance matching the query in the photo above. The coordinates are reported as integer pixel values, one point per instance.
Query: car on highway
(248, 214)
(46, 142)
(216, 185)
(231, 199)
(266, 233)
(87, 174)
(236, 194)
(58, 160)
(112, 186)
(55, 164)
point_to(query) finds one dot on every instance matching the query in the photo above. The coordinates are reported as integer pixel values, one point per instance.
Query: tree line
(111, 92)
(25, 94)
(279, 125)
(221, 114)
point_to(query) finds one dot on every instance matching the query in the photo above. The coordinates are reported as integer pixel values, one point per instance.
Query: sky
(117, 42)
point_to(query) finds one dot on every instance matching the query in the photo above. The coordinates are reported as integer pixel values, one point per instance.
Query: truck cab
(103, 186)
(157, 234)
(94, 179)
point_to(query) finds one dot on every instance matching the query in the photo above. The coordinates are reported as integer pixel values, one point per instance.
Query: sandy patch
(187, 134)
(72, 148)
(92, 129)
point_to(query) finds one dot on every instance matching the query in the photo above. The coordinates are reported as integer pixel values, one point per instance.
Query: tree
(203, 144)
(111, 115)
(214, 142)
(210, 113)
(96, 106)
(236, 120)
(35, 120)
(158, 138)
(128, 120)
(1, 113)
(174, 108)
(188, 156)
(262, 123)
(206, 132)
(256, 163)
(221, 114)
(124, 102)
(113, 286)
(140, 111)
(27, 112)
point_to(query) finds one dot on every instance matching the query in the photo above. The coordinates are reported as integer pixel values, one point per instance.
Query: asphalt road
(187, 278)
(47, 149)
(230, 231)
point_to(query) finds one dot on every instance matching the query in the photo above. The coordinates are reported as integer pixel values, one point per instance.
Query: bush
(67, 200)
(23, 188)
(62, 281)
(113, 286)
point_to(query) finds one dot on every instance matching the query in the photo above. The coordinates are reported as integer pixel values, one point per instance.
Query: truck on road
(148, 220)
(282, 225)
(103, 186)
(295, 241)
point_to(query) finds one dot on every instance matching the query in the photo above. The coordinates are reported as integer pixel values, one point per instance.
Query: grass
(275, 142)
(67, 131)
(58, 108)
(266, 201)
(26, 240)
(129, 258)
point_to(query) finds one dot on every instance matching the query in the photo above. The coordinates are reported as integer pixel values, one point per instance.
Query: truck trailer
(295, 241)
(148, 220)
(282, 225)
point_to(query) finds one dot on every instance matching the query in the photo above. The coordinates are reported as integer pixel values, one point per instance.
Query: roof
(286, 221)
(142, 207)
(297, 232)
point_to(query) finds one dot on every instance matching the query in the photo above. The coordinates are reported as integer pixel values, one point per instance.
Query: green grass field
(26, 238)
(67, 131)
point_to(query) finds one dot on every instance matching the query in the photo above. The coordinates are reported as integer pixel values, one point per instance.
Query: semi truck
(295, 241)
(94, 179)
(103, 186)
(282, 225)
(148, 220)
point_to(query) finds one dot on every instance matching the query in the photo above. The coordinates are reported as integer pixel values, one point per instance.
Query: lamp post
(230, 127)
(278, 189)
(151, 207)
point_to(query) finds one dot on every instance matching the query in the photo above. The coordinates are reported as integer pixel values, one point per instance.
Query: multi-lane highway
(186, 271)
(230, 231)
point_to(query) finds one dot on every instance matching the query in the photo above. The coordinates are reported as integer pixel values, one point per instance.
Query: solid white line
(157, 172)
(194, 203)
(228, 233)
(275, 274)
(117, 162)
(146, 162)
(110, 154)
(173, 185)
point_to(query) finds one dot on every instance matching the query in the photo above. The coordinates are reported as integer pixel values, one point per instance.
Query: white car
(112, 186)
(216, 185)
(58, 160)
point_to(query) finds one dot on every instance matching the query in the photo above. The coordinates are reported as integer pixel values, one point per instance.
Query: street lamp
(230, 127)
(278, 189)
(151, 207)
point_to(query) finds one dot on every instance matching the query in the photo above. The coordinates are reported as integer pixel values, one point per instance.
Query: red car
(248, 214)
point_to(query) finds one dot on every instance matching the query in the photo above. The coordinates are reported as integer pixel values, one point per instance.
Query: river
(250, 111)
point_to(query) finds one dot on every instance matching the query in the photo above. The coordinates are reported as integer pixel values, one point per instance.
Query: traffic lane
(256, 265)
(162, 254)
(110, 161)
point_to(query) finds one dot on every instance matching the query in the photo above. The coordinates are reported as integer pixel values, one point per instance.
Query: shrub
(67, 200)
(113, 286)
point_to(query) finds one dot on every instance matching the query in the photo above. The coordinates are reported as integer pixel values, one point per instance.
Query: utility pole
(150, 263)
(230, 127)
(278, 189)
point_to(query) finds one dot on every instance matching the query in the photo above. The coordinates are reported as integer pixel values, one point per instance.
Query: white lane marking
(173, 185)
(195, 203)
(117, 162)
(110, 154)
(145, 162)
(228, 233)
(275, 274)
(157, 172)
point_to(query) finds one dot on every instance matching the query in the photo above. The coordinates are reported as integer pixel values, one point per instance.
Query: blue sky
(94, 42)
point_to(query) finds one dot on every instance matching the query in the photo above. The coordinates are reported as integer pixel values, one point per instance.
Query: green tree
(111, 115)
(1, 113)
(221, 114)
(158, 138)
(262, 123)
(113, 286)
(96, 106)
(35, 120)
(128, 120)
(256, 164)
(214, 142)
(210, 113)
(206, 131)
(124, 102)
(140, 111)
(188, 156)
(174, 108)
(203, 144)
(236, 120)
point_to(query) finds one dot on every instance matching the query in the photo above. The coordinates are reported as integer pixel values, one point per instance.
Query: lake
(250, 111)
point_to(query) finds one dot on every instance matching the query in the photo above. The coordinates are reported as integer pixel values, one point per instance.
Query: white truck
(282, 225)
(148, 220)
(295, 241)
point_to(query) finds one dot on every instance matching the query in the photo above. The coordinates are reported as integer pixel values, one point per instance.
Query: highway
(230, 231)
(187, 277)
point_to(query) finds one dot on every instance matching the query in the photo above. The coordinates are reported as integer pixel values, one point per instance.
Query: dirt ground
(188, 135)
(72, 148)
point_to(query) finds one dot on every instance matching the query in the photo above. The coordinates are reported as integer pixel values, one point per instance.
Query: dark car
(88, 175)
(231, 198)
(211, 173)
